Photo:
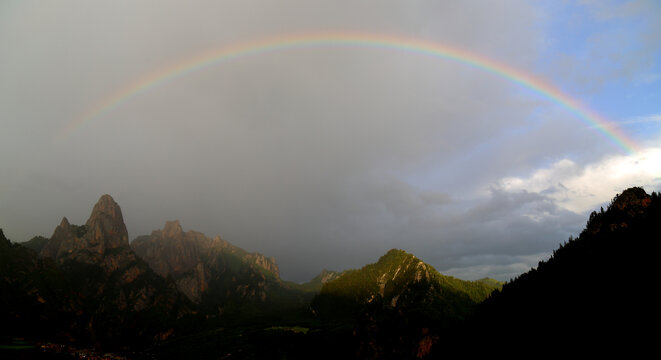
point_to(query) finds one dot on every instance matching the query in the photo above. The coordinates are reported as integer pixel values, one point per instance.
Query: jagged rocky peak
(104, 230)
(196, 261)
(219, 243)
(105, 227)
(171, 250)
(64, 224)
(264, 262)
(106, 205)
(61, 234)
(64, 229)
(172, 229)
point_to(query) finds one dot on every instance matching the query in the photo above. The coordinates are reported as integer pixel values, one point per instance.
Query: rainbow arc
(218, 56)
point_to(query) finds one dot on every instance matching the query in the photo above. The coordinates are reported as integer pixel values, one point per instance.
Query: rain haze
(329, 153)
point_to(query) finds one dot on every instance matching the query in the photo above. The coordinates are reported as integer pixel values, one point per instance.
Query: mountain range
(88, 286)
(174, 293)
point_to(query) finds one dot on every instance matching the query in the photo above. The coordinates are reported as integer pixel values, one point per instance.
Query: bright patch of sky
(584, 188)
(608, 53)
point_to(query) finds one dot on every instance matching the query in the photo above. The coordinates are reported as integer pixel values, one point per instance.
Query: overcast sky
(328, 156)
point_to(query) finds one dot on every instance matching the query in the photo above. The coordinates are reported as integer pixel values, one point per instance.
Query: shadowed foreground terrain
(176, 294)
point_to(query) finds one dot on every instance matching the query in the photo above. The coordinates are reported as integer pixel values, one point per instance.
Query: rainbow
(287, 42)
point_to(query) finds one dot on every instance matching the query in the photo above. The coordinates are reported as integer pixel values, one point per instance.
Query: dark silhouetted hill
(35, 298)
(594, 294)
(36, 243)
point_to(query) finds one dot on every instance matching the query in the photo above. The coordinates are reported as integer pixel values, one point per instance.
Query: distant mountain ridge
(223, 280)
(115, 297)
(191, 259)
(103, 232)
(36, 243)
(317, 282)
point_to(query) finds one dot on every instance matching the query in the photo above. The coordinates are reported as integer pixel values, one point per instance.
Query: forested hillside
(593, 294)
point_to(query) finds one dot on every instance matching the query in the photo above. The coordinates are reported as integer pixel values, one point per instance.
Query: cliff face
(171, 251)
(105, 227)
(198, 264)
(63, 234)
(102, 240)
(264, 263)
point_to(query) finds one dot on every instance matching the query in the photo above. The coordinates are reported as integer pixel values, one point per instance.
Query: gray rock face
(104, 231)
(62, 234)
(196, 261)
(105, 227)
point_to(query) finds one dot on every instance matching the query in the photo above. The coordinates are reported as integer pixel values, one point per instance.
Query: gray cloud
(322, 157)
